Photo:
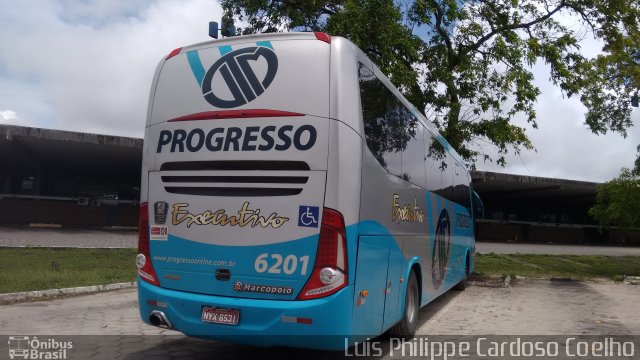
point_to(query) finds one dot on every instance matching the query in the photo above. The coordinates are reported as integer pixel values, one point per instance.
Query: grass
(27, 269)
(575, 267)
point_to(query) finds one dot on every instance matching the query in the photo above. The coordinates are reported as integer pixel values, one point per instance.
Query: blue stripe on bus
(196, 66)
(224, 49)
(265, 44)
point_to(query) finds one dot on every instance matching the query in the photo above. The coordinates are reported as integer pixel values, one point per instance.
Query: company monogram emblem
(238, 74)
(441, 247)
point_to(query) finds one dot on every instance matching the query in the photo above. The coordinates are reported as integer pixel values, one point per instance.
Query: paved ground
(555, 249)
(67, 237)
(535, 307)
(70, 237)
(539, 307)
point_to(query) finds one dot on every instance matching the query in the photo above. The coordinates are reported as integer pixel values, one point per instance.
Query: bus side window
(413, 160)
(478, 206)
(461, 189)
(436, 165)
(384, 120)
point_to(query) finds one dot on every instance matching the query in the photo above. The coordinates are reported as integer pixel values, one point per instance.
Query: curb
(66, 247)
(10, 298)
(631, 280)
(45, 226)
(496, 282)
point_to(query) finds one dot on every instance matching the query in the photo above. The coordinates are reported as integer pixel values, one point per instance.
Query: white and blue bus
(288, 188)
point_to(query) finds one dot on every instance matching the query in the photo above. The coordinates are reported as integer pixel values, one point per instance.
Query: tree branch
(584, 16)
(527, 25)
(439, 15)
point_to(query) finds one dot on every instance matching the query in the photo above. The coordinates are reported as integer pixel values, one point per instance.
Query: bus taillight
(173, 53)
(330, 269)
(143, 260)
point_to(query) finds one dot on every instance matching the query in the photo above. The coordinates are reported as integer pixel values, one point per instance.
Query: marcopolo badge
(160, 211)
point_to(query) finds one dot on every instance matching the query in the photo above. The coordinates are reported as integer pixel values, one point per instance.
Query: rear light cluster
(173, 53)
(143, 260)
(330, 272)
(323, 37)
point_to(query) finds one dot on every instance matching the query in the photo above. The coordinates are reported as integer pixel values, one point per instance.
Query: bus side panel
(393, 208)
(343, 181)
(371, 277)
(462, 229)
(442, 269)
(419, 221)
(394, 292)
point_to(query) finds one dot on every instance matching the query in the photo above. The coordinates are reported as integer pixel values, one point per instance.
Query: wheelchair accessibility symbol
(308, 216)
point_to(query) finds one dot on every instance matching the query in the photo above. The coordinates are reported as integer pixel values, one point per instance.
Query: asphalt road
(107, 325)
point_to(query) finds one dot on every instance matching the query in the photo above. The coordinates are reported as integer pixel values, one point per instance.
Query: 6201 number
(277, 264)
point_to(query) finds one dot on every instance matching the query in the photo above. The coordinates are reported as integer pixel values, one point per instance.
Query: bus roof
(250, 38)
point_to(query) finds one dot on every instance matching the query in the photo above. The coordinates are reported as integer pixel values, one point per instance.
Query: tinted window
(437, 166)
(414, 155)
(386, 122)
(461, 194)
(402, 144)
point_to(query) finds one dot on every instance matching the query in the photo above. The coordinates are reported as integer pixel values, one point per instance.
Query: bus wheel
(463, 283)
(406, 328)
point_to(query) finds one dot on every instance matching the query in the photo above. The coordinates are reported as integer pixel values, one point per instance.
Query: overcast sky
(87, 66)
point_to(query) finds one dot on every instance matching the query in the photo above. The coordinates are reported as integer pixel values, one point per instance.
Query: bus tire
(463, 283)
(406, 328)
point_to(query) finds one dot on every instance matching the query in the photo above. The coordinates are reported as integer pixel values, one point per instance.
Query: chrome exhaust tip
(159, 319)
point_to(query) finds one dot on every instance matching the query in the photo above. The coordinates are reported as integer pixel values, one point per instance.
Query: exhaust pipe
(159, 319)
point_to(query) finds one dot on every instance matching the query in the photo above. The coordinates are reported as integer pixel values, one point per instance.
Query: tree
(374, 25)
(470, 70)
(618, 202)
(636, 164)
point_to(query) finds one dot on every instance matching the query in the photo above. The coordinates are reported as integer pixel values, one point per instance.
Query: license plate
(220, 316)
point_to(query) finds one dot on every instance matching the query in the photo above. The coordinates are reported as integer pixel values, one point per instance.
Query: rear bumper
(262, 322)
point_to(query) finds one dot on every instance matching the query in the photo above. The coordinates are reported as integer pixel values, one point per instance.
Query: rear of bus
(235, 240)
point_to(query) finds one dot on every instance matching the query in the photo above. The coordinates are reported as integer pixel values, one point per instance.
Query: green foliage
(470, 68)
(374, 25)
(618, 201)
(576, 267)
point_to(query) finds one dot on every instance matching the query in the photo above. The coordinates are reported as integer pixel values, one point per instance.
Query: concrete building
(69, 178)
(537, 209)
(79, 179)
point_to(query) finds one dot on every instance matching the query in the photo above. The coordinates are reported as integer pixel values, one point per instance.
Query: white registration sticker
(159, 232)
